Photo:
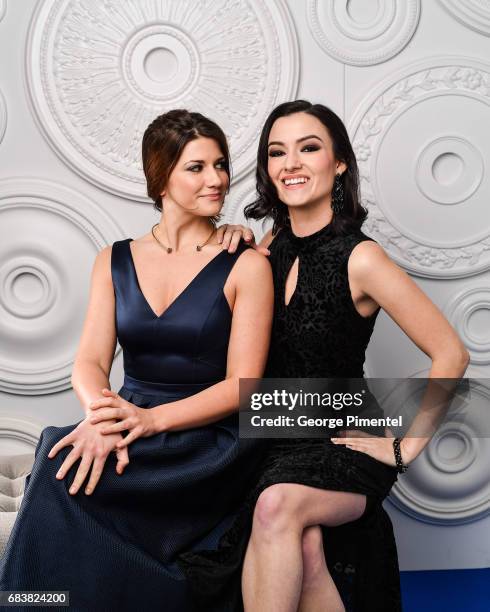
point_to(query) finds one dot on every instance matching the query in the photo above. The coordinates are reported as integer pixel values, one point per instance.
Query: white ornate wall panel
(411, 79)
(41, 296)
(449, 483)
(440, 234)
(363, 33)
(98, 73)
(474, 14)
(3, 117)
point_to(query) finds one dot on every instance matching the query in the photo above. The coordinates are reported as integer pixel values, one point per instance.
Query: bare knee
(274, 510)
(313, 555)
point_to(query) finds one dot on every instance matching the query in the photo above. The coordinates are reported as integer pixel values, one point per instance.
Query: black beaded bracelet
(400, 466)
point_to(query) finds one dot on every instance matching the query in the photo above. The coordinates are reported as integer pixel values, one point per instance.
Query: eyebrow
(277, 142)
(201, 161)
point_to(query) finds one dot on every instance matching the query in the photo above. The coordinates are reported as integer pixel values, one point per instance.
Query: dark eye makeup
(220, 164)
(309, 148)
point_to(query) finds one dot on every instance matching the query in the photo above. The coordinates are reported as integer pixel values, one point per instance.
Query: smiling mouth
(293, 182)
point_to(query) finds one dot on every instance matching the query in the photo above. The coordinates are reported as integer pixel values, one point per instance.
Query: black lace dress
(319, 334)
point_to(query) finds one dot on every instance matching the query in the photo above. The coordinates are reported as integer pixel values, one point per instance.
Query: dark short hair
(164, 140)
(268, 203)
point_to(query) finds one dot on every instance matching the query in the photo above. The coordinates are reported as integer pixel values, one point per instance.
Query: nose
(291, 161)
(213, 178)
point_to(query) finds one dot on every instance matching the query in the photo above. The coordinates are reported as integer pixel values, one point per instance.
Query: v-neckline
(179, 296)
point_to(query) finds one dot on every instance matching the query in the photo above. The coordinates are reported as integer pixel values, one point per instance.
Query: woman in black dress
(106, 517)
(315, 498)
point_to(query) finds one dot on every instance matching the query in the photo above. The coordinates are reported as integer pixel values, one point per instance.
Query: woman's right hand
(93, 448)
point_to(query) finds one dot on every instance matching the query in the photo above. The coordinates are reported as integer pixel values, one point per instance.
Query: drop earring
(337, 195)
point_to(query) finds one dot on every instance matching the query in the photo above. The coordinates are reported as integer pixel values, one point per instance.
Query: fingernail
(88, 491)
(59, 474)
(72, 490)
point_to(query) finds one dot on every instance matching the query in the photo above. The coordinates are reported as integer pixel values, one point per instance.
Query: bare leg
(318, 590)
(273, 568)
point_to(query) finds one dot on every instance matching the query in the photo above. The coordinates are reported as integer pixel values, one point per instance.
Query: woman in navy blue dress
(106, 517)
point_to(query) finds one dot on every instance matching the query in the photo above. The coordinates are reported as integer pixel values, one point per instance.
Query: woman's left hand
(229, 237)
(374, 446)
(140, 422)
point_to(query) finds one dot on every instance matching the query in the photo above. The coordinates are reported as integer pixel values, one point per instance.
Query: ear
(341, 168)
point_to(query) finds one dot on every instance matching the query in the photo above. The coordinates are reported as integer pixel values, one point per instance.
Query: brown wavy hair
(163, 142)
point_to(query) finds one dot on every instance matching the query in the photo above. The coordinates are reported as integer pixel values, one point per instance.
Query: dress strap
(120, 266)
(224, 264)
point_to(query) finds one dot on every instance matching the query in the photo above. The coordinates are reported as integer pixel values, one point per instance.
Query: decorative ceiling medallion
(448, 483)
(449, 170)
(22, 432)
(99, 73)
(362, 33)
(45, 268)
(469, 312)
(475, 14)
(440, 163)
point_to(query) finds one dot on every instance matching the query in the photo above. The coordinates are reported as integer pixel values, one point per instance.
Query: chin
(212, 211)
(296, 202)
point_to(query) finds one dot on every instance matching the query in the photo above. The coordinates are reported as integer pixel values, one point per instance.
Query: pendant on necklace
(169, 249)
(198, 248)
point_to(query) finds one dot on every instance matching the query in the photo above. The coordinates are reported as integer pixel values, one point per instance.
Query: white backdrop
(81, 79)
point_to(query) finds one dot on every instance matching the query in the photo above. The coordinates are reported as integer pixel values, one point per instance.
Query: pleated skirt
(119, 548)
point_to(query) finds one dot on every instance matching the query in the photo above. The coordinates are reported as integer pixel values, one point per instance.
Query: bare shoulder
(252, 271)
(102, 266)
(366, 257)
(103, 259)
(252, 263)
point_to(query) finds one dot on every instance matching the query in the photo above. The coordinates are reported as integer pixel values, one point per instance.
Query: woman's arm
(247, 353)
(379, 278)
(95, 353)
(90, 374)
(374, 275)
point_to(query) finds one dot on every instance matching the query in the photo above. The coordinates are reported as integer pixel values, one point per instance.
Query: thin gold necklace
(170, 249)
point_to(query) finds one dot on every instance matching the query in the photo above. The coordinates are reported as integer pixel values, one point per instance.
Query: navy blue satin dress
(118, 548)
